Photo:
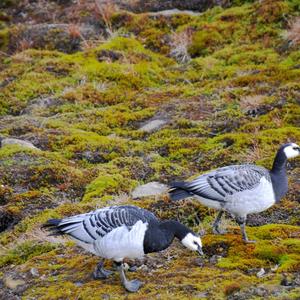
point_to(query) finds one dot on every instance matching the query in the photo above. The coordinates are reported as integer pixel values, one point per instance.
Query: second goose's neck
(278, 176)
(279, 164)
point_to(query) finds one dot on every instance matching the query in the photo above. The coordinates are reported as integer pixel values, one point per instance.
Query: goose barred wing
(96, 224)
(223, 182)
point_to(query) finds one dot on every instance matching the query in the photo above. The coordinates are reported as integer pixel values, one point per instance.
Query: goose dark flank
(240, 189)
(120, 232)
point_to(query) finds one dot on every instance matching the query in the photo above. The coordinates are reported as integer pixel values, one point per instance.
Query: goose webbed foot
(242, 223)
(100, 272)
(130, 285)
(216, 228)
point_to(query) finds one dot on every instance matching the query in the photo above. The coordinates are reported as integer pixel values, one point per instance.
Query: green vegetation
(234, 99)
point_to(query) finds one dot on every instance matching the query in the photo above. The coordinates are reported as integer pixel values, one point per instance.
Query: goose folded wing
(94, 225)
(221, 183)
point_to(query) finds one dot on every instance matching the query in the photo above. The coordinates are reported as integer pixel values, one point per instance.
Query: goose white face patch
(291, 151)
(192, 242)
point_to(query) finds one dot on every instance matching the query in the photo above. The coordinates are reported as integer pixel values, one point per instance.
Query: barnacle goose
(239, 189)
(119, 232)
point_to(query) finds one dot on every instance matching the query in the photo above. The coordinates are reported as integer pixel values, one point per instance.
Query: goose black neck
(279, 176)
(160, 236)
(175, 228)
(279, 164)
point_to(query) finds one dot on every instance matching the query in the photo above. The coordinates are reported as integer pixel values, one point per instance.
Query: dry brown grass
(254, 153)
(277, 120)
(74, 31)
(293, 33)
(24, 44)
(180, 42)
(105, 10)
(251, 102)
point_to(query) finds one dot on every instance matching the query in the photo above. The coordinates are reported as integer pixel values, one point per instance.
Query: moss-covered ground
(233, 99)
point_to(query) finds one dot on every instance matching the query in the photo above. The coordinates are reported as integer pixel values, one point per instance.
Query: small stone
(153, 125)
(214, 259)
(285, 281)
(78, 283)
(144, 268)
(105, 296)
(201, 295)
(13, 283)
(12, 141)
(261, 273)
(199, 262)
(275, 268)
(149, 189)
(34, 272)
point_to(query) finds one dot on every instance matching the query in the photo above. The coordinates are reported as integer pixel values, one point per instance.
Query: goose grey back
(240, 189)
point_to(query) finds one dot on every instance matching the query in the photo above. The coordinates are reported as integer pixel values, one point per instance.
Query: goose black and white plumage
(119, 232)
(239, 189)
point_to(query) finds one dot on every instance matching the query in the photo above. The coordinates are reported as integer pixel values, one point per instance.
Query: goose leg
(242, 222)
(100, 272)
(130, 269)
(130, 285)
(216, 229)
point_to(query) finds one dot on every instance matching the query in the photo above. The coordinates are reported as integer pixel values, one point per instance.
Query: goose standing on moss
(240, 189)
(119, 232)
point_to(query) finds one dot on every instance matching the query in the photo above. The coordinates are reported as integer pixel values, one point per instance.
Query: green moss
(269, 252)
(272, 11)
(25, 251)
(4, 39)
(94, 153)
(205, 41)
(289, 262)
(272, 231)
(104, 184)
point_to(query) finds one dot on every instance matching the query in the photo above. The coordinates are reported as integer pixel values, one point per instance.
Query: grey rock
(261, 273)
(155, 6)
(62, 37)
(12, 141)
(174, 11)
(214, 259)
(78, 283)
(6, 220)
(150, 189)
(34, 272)
(13, 283)
(153, 125)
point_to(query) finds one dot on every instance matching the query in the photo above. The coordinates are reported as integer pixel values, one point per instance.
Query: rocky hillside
(98, 98)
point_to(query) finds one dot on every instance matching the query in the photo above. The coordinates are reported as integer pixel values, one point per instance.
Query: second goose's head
(290, 150)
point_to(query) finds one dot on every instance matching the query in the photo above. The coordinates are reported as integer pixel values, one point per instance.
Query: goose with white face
(193, 242)
(292, 150)
(239, 189)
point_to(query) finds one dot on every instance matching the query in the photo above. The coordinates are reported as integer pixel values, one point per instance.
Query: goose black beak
(199, 250)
